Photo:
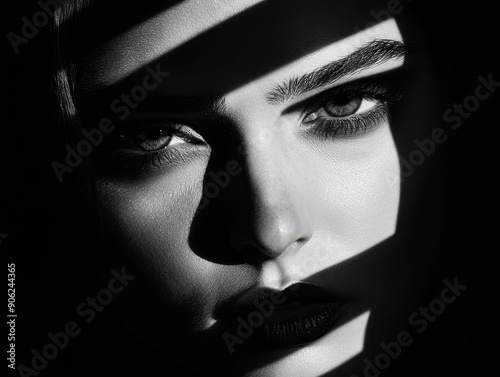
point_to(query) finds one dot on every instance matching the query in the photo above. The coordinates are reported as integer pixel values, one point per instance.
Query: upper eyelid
(309, 105)
(362, 88)
(179, 129)
(373, 78)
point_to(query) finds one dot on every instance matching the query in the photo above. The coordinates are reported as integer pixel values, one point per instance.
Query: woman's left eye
(349, 110)
(341, 106)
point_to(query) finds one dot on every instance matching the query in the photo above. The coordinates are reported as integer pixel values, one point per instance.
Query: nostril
(258, 252)
(302, 240)
(271, 236)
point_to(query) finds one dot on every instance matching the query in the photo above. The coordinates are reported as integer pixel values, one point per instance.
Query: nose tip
(271, 232)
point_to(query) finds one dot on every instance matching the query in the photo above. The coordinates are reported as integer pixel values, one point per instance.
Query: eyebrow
(374, 53)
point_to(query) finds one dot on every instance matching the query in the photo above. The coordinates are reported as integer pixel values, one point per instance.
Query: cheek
(358, 193)
(148, 224)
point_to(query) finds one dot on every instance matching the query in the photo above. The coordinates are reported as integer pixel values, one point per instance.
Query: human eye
(349, 110)
(154, 144)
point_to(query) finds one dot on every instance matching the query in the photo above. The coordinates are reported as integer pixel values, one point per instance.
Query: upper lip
(296, 294)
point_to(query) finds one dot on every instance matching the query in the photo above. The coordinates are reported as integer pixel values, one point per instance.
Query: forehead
(220, 45)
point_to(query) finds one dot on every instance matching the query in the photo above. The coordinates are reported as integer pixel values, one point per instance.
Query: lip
(297, 315)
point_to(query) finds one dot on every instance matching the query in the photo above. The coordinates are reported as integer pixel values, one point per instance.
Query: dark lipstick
(297, 315)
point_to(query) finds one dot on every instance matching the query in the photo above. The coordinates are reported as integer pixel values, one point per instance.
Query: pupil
(342, 100)
(154, 133)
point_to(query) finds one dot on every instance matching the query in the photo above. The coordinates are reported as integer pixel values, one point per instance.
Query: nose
(270, 212)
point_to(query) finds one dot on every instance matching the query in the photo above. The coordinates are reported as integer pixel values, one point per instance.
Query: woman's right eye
(154, 144)
(158, 135)
(153, 139)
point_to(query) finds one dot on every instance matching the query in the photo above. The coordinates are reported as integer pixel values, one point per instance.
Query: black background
(463, 38)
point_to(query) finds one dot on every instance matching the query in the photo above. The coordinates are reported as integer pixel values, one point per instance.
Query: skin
(298, 209)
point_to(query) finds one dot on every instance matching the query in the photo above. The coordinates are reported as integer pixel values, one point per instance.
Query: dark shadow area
(446, 226)
(111, 18)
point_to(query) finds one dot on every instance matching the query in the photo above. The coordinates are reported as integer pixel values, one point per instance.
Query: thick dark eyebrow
(370, 55)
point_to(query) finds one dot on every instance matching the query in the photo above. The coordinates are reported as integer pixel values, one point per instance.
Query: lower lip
(299, 325)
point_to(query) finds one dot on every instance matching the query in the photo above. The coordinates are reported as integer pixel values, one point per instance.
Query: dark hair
(67, 24)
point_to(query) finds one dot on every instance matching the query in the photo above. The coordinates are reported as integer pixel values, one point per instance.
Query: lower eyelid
(137, 162)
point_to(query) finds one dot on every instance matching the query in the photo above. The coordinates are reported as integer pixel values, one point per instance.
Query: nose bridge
(274, 218)
(268, 172)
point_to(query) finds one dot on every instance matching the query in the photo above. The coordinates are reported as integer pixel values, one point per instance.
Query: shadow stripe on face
(250, 40)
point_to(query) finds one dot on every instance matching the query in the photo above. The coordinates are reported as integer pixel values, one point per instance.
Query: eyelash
(143, 161)
(323, 128)
(147, 161)
(351, 125)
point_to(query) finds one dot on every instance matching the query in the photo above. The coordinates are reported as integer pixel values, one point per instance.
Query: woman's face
(258, 155)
